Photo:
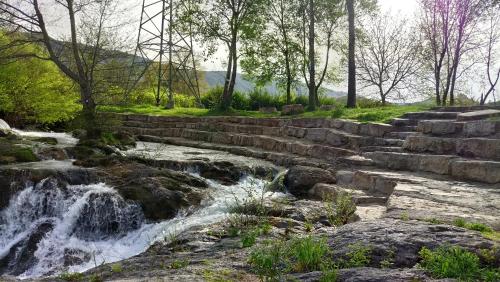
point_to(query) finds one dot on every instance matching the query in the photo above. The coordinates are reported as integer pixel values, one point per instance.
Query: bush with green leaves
(341, 209)
(455, 262)
(35, 91)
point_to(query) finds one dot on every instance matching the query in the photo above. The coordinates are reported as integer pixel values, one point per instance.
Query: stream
(51, 228)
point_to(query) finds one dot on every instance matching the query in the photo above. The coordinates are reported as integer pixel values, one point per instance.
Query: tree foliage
(33, 90)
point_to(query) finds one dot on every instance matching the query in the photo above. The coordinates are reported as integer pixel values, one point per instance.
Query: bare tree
(448, 27)
(78, 57)
(387, 55)
(492, 67)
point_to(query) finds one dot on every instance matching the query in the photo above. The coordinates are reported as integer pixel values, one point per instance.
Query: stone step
(478, 115)
(382, 149)
(419, 197)
(483, 148)
(459, 168)
(481, 128)
(431, 115)
(360, 197)
(280, 159)
(401, 122)
(401, 135)
(274, 144)
(461, 109)
(409, 128)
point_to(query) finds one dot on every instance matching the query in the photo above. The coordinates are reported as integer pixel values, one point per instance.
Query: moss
(11, 152)
(25, 155)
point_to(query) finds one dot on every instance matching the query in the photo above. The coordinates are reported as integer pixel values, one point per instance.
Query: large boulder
(21, 256)
(401, 241)
(300, 179)
(290, 110)
(160, 193)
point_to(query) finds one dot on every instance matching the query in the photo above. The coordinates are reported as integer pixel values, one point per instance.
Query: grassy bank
(378, 114)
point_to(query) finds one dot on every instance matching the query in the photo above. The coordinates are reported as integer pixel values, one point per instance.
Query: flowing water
(50, 227)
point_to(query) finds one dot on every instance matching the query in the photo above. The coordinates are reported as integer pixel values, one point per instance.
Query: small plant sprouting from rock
(486, 230)
(178, 264)
(273, 260)
(405, 216)
(71, 277)
(388, 262)
(116, 268)
(358, 256)
(308, 253)
(455, 262)
(341, 209)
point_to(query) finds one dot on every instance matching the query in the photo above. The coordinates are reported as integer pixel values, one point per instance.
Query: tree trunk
(288, 79)
(89, 112)
(225, 102)
(351, 93)
(312, 62)
(437, 87)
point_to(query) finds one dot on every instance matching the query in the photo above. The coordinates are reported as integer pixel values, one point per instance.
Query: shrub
(240, 101)
(260, 98)
(249, 238)
(116, 268)
(211, 99)
(341, 209)
(451, 262)
(185, 101)
(359, 256)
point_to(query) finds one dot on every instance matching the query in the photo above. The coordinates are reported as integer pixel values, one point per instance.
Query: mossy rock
(25, 155)
(12, 152)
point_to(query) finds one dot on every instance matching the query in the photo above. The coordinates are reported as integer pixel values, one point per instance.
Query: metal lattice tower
(163, 45)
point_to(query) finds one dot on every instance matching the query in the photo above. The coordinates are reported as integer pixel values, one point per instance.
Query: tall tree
(79, 58)
(491, 52)
(275, 54)
(448, 27)
(351, 92)
(320, 20)
(386, 56)
(231, 22)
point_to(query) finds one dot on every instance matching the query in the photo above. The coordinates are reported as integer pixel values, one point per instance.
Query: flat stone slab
(478, 115)
(423, 198)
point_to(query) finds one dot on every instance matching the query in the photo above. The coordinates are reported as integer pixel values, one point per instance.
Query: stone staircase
(465, 148)
(406, 169)
(434, 141)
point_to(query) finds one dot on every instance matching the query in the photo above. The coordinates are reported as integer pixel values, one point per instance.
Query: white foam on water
(63, 208)
(63, 139)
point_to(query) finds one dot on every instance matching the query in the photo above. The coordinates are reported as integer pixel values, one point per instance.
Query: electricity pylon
(164, 45)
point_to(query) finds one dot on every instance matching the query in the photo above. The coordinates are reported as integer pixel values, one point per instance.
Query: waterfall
(49, 228)
(46, 224)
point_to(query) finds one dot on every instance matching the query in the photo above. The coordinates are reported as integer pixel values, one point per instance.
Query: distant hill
(215, 78)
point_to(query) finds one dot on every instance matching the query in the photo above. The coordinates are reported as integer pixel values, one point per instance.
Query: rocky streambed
(123, 210)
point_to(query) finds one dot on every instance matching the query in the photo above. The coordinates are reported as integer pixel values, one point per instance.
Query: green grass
(378, 114)
(308, 253)
(455, 262)
(485, 230)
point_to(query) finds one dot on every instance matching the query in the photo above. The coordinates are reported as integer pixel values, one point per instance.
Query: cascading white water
(75, 228)
(63, 139)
